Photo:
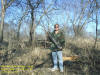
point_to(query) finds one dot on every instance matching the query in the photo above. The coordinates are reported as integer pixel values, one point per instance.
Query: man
(57, 52)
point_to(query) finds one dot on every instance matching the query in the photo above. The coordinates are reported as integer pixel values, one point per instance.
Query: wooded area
(23, 28)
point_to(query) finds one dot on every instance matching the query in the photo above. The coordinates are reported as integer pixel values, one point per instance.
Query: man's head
(56, 27)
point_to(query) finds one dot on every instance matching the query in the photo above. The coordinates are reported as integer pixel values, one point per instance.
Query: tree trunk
(2, 21)
(31, 27)
(20, 22)
(96, 25)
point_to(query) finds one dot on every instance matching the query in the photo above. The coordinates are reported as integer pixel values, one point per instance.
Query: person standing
(58, 35)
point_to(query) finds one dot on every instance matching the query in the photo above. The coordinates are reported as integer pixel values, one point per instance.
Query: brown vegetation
(77, 52)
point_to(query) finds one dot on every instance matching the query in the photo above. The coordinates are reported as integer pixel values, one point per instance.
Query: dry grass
(39, 57)
(82, 42)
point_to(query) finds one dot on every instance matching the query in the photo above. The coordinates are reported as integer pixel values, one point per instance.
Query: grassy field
(17, 54)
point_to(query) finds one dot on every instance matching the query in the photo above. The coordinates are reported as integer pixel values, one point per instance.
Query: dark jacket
(59, 37)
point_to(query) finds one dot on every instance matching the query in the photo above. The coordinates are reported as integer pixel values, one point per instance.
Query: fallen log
(70, 58)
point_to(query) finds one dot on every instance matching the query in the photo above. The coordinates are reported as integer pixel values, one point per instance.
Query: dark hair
(56, 24)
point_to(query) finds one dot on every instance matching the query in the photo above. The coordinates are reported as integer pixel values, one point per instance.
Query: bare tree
(20, 22)
(33, 5)
(83, 18)
(4, 5)
(78, 14)
(96, 21)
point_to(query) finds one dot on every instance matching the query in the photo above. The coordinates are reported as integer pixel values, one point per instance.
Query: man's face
(56, 27)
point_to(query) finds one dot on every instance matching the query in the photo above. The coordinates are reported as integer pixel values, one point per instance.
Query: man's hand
(60, 47)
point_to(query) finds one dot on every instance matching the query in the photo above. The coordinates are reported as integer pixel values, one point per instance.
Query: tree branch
(9, 3)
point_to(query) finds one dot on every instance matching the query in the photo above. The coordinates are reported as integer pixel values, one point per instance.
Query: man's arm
(54, 41)
(62, 39)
